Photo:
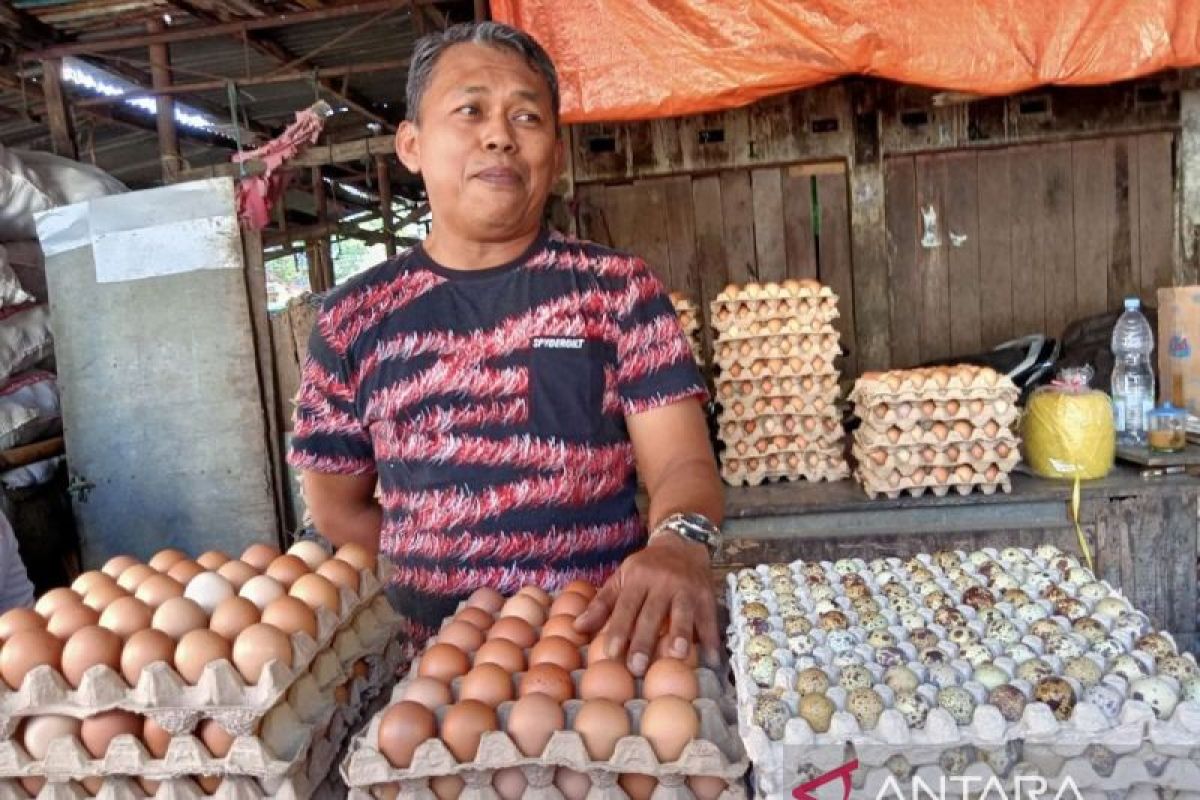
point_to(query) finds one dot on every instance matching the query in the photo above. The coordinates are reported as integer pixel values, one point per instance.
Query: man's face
(485, 143)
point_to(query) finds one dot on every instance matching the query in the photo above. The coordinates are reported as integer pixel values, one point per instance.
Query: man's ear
(408, 150)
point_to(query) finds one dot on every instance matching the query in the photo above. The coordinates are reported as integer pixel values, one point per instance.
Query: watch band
(693, 527)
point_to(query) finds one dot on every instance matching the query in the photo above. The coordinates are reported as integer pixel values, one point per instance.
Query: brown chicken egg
(503, 653)
(287, 570)
(97, 732)
(548, 679)
(308, 551)
(537, 593)
(429, 692)
(668, 724)
(515, 630)
(163, 560)
(340, 574)
(71, 618)
(262, 590)
(607, 680)
(638, 786)
(260, 556)
(55, 599)
(707, 787)
(196, 650)
(569, 603)
(177, 616)
(215, 738)
(510, 783)
(487, 683)
(317, 592)
(117, 565)
(18, 619)
(157, 589)
(156, 738)
(358, 557)
(526, 607)
(212, 560)
(532, 720)
(142, 649)
(573, 785)
(581, 587)
(90, 580)
(233, 616)
(447, 787)
(670, 677)
(481, 619)
(563, 625)
(135, 576)
(601, 724)
(87, 648)
(183, 571)
(556, 650)
(258, 646)
(126, 616)
(444, 662)
(237, 573)
(464, 725)
(402, 729)
(598, 648)
(461, 634)
(102, 594)
(291, 615)
(486, 598)
(36, 733)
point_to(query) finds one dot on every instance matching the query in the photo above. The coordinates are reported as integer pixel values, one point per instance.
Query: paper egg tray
(963, 381)
(966, 467)
(792, 412)
(756, 446)
(757, 471)
(795, 356)
(907, 416)
(792, 287)
(867, 436)
(992, 451)
(786, 388)
(221, 693)
(232, 788)
(917, 485)
(793, 367)
(790, 328)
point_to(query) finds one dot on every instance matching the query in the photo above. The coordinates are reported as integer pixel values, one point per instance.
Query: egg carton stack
(991, 664)
(180, 678)
(778, 384)
(934, 430)
(500, 704)
(689, 320)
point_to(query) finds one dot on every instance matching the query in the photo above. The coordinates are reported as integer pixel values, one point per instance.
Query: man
(502, 381)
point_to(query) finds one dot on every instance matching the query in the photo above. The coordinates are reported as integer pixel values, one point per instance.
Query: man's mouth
(500, 176)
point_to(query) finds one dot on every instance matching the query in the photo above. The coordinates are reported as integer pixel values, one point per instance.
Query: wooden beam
(320, 155)
(321, 273)
(58, 116)
(385, 203)
(160, 76)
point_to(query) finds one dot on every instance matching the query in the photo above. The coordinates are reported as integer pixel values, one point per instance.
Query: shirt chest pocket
(566, 386)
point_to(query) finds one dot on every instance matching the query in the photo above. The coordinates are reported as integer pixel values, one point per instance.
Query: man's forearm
(691, 487)
(358, 523)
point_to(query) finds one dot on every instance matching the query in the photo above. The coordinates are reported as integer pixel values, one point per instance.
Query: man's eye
(529, 117)
(468, 111)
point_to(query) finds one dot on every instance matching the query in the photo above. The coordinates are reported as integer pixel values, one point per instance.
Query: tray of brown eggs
(689, 320)
(805, 300)
(179, 640)
(978, 456)
(786, 413)
(814, 466)
(771, 388)
(748, 351)
(961, 382)
(924, 656)
(233, 787)
(509, 699)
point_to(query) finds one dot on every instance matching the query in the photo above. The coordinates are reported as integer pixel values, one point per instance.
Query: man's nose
(497, 136)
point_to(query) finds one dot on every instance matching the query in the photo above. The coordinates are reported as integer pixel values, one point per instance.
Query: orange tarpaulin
(640, 59)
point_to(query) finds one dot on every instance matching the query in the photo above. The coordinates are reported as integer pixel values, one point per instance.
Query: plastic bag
(1068, 429)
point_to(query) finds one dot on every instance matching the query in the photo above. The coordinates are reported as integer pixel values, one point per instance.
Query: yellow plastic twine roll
(1068, 429)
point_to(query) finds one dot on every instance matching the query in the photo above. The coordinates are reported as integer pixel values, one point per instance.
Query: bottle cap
(1132, 304)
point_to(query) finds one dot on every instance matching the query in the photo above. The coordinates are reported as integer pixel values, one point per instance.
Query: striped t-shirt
(492, 406)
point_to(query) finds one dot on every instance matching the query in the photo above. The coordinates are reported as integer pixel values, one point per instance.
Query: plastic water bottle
(1133, 375)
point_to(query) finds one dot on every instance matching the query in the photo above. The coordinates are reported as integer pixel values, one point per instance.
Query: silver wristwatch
(693, 527)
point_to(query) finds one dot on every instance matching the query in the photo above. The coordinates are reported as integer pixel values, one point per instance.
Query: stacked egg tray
(689, 320)
(778, 385)
(917, 663)
(282, 734)
(716, 753)
(935, 430)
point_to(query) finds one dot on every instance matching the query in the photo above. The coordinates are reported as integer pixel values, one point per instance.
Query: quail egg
(923, 638)
(986, 616)
(825, 606)
(1003, 759)
(913, 564)
(858, 591)
(963, 582)
(801, 644)
(783, 585)
(1002, 631)
(822, 592)
(949, 617)
(1045, 628)
(1106, 698)
(1093, 591)
(899, 766)
(881, 637)
(1111, 607)
(789, 606)
(901, 679)
(904, 605)
(913, 707)
(1101, 759)
(1057, 694)
(1091, 629)
(978, 597)
(779, 570)
(866, 607)
(937, 599)
(1047, 552)
(943, 675)
(813, 570)
(1178, 667)
(890, 657)
(817, 710)
(1080, 576)
(840, 641)
(846, 566)
(1133, 621)
(893, 591)
(761, 645)
(976, 654)
(1071, 608)
(1016, 598)
(1013, 555)
(886, 578)
(771, 714)
(1008, 700)
(1032, 612)
(1156, 645)
(762, 670)
(912, 621)
(795, 624)
(853, 579)
(1156, 693)
(1019, 652)
(963, 636)
(1084, 670)
(811, 681)
(758, 627)
(834, 621)
(854, 677)
(878, 565)
(873, 623)
(932, 655)
(1034, 670)
(958, 702)
(866, 705)
(846, 659)
(749, 580)
(1040, 581)
(979, 558)
(756, 610)
(922, 576)
(1003, 582)
(1066, 646)
(1189, 688)
(989, 676)
(1055, 594)
(1108, 648)
(946, 559)
(1127, 667)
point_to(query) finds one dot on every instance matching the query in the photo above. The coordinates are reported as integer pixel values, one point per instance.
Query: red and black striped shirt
(492, 406)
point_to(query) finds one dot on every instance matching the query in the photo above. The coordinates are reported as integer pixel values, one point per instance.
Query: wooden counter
(1142, 532)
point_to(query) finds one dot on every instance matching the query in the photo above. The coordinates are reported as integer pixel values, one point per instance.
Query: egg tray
(915, 469)
(541, 786)
(936, 381)
(231, 788)
(781, 327)
(907, 415)
(221, 693)
(771, 349)
(750, 409)
(794, 287)
(913, 488)
(951, 455)
(867, 436)
(739, 474)
(823, 447)
(794, 367)
(825, 386)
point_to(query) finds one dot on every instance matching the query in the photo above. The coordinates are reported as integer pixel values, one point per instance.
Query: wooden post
(324, 257)
(1187, 262)
(58, 116)
(481, 10)
(384, 177)
(868, 235)
(160, 76)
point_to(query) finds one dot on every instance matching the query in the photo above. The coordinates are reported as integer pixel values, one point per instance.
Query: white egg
(208, 590)
(309, 552)
(261, 590)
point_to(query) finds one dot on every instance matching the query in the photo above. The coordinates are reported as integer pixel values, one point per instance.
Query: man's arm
(344, 508)
(671, 576)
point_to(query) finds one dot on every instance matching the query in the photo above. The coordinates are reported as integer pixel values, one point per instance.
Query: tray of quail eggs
(952, 648)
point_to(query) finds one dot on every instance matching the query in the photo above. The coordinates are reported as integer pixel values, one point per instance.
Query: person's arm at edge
(344, 508)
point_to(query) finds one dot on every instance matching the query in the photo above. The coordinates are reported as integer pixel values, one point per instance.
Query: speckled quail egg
(900, 678)
(878, 565)
(1108, 648)
(858, 592)
(845, 660)
(762, 645)
(1040, 581)
(873, 623)
(749, 580)
(881, 637)
(1106, 698)
(789, 605)
(794, 623)
(1045, 629)
(1034, 670)
(1055, 594)
(1003, 583)
(763, 669)
(912, 621)
(855, 677)
(937, 599)
(825, 606)
(817, 710)
(1008, 700)
(978, 558)
(922, 638)
(963, 636)
(866, 705)
(1111, 607)
(756, 610)
(962, 582)
(1093, 591)
(1156, 644)
(1020, 652)
(1032, 612)
(904, 605)
(1133, 621)
(1101, 759)
(989, 676)
(890, 657)
(958, 702)
(852, 579)
(899, 766)
(771, 714)
(834, 621)
(1016, 598)
(1066, 645)
(893, 591)
(886, 577)
(913, 707)
(1057, 694)
(1003, 759)
(978, 597)
(783, 587)
(811, 680)
(1071, 608)
(1178, 667)
(942, 675)
(1091, 629)
(777, 570)
(946, 559)
(1080, 576)
(822, 592)
(841, 641)
(1156, 693)
(949, 617)
(846, 566)
(1083, 669)
(865, 607)
(751, 596)
(1189, 688)
(801, 644)
(912, 564)
(1002, 631)
(1127, 667)
(1013, 555)
(1047, 552)
(758, 627)
(922, 577)
(976, 653)
(932, 655)
(812, 569)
